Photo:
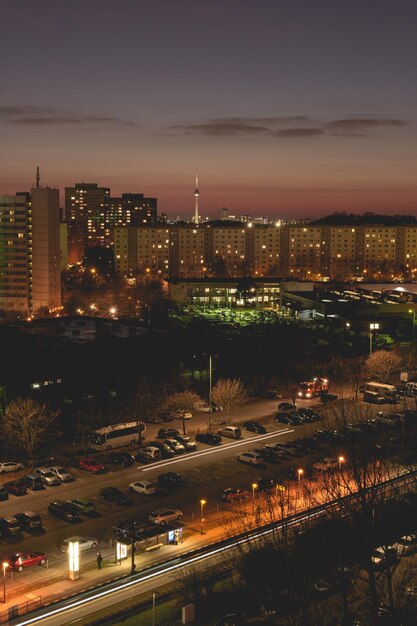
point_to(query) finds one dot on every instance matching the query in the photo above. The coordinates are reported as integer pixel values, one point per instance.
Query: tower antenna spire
(38, 177)
(196, 196)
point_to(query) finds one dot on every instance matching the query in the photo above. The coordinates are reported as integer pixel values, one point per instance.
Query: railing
(20, 609)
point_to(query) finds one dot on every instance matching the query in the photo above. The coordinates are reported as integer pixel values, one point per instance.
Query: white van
(233, 432)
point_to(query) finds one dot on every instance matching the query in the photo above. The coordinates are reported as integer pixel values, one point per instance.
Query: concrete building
(86, 211)
(46, 272)
(30, 275)
(15, 253)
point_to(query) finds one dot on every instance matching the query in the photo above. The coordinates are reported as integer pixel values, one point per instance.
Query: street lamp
(372, 327)
(300, 472)
(154, 594)
(202, 505)
(4, 565)
(413, 311)
(254, 488)
(340, 460)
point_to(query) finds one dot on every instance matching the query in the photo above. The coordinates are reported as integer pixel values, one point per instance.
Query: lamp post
(202, 505)
(154, 594)
(4, 565)
(340, 460)
(413, 311)
(372, 327)
(254, 488)
(210, 386)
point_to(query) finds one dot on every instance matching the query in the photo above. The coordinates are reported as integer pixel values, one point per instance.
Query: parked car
(164, 516)
(254, 427)
(114, 495)
(9, 526)
(286, 406)
(166, 451)
(144, 487)
(308, 414)
(10, 466)
(234, 493)
(91, 465)
(233, 432)
(154, 419)
(405, 545)
(150, 453)
(170, 480)
(328, 397)
(187, 442)
(4, 494)
(212, 439)
(29, 520)
(16, 487)
(84, 543)
(33, 482)
(181, 415)
(216, 407)
(47, 477)
(175, 445)
(163, 433)
(64, 510)
(388, 419)
(64, 475)
(21, 560)
(252, 458)
(83, 505)
(373, 397)
(204, 407)
(268, 484)
(166, 416)
(270, 394)
(124, 459)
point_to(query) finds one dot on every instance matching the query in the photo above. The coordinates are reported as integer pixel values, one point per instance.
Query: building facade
(30, 276)
(295, 251)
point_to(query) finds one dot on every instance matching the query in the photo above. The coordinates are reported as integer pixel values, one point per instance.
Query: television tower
(196, 196)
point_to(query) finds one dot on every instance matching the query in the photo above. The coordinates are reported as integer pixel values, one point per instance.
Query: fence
(20, 609)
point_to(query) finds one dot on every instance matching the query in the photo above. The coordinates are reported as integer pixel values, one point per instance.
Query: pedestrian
(99, 560)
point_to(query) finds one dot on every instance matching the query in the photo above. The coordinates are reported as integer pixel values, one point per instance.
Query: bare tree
(28, 424)
(381, 364)
(229, 393)
(184, 402)
(145, 403)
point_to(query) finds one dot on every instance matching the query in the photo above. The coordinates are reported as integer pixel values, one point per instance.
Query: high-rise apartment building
(15, 252)
(46, 271)
(86, 211)
(30, 276)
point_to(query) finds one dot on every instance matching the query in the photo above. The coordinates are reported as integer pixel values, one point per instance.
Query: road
(71, 611)
(205, 474)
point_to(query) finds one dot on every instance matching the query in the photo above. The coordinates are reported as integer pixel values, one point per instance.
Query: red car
(20, 560)
(231, 494)
(91, 465)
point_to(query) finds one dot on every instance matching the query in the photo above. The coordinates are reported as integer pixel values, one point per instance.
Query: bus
(388, 391)
(117, 435)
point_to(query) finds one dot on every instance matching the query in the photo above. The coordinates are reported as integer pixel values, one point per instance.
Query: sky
(286, 108)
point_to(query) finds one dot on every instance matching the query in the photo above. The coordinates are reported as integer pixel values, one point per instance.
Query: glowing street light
(254, 488)
(202, 505)
(113, 310)
(373, 326)
(341, 459)
(300, 473)
(414, 320)
(4, 565)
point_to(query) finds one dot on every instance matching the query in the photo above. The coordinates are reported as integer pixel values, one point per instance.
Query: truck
(312, 388)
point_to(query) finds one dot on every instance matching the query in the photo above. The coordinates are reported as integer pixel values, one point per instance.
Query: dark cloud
(49, 116)
(297, 126)
(353, 124)
(299, 132)
(54, 121)
(220, 128)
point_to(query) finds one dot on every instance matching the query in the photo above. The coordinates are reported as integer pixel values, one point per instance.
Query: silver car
(9, 466)
(164, 516)
(84, 543)
(64, 475)
(47, 477)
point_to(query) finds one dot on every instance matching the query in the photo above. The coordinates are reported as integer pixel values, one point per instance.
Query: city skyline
(293, 111)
